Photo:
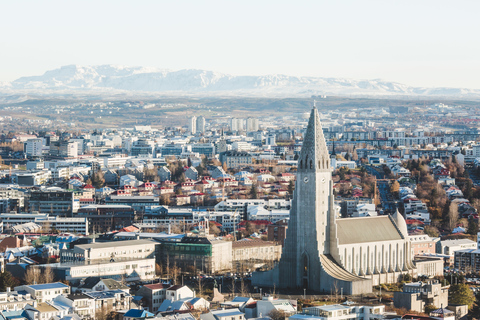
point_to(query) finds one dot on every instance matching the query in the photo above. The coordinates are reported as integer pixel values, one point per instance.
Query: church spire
(314, 154)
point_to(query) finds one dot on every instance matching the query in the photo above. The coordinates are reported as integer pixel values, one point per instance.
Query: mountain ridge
(196, 81)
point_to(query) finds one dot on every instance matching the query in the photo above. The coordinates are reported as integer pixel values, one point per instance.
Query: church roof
(372, 229)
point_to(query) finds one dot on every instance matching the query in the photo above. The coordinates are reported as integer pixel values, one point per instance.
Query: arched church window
(301, 164)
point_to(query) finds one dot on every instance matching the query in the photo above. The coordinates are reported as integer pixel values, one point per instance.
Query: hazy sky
(420, 43)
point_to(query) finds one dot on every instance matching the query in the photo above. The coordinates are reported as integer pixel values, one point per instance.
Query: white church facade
(323, 252)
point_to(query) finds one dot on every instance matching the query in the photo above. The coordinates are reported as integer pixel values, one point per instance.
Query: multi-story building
(192, 125)
(45, 292)
(236, 124)
(131, 260)
(142, 147)
(207, 149)
(15, 197)
(235, 159)
(341, 312)
(33, 178)
(200, 124)
(206, 255)
(63, 149)
(33, 147)
(54, 202)
(248, 254)
(107, 217)
(252, 124)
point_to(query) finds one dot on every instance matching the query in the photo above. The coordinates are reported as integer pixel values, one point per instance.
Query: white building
(236, 124)
(33, 147)
(192, 125)
(252, 124)
(201, 124)
(45, 292)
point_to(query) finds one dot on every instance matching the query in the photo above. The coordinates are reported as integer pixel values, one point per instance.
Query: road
(388, 202)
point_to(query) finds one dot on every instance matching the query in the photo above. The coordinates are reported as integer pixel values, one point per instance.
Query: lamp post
(304, 294)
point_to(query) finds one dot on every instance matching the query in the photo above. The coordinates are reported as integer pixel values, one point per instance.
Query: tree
(461, 294)
(395, 188)
(98, 179)
(277, 314)
(429, 308)
(472, 226)
(32, 275)
(164, 200)
(253, 191)
(7, 281)
(213, 228)
(452, 216)
(475, 311)
(291, 187)
(48, 275)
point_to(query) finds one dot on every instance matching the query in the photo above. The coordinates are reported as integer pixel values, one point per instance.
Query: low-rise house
(101, 284)
(137, 314)
(80, 303)
(228, 314)
(416, 295)
(153, 295)
(268, 304)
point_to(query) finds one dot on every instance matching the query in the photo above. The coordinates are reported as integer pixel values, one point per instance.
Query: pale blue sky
(420, 43)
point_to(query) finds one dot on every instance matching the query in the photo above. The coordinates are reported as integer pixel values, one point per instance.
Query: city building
(416, 295)
(192, 125)
(200, 124)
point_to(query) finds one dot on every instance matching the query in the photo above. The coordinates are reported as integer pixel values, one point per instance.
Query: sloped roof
(360, 230)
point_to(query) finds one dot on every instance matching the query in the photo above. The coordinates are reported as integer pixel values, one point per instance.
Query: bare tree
(48, 275)
(452, 216)
(32, 275)
(200, 286)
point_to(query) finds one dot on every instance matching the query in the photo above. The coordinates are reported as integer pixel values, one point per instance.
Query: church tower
(311, 214)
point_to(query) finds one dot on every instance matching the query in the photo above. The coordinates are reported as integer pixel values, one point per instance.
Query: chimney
(8, 289)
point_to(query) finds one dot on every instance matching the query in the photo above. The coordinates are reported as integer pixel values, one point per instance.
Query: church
(323, 252)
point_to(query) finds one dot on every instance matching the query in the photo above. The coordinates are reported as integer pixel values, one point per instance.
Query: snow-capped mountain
(109, 77)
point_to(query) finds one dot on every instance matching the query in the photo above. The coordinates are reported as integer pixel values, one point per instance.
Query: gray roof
(110, 244)
(371, 229)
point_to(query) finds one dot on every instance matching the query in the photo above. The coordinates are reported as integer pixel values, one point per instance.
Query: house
(184, 305)
(135, 314)
(268, 304)
(416, 295)
(45, 311)
(164, 173)
(101, 284)
(79, 303)
(153, 295)
(12, 242)
(191, 173)
(228, 314)
(45, 292)
(178, 292)
(114, 300)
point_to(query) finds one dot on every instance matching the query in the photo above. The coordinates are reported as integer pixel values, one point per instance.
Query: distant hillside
(108, 78)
